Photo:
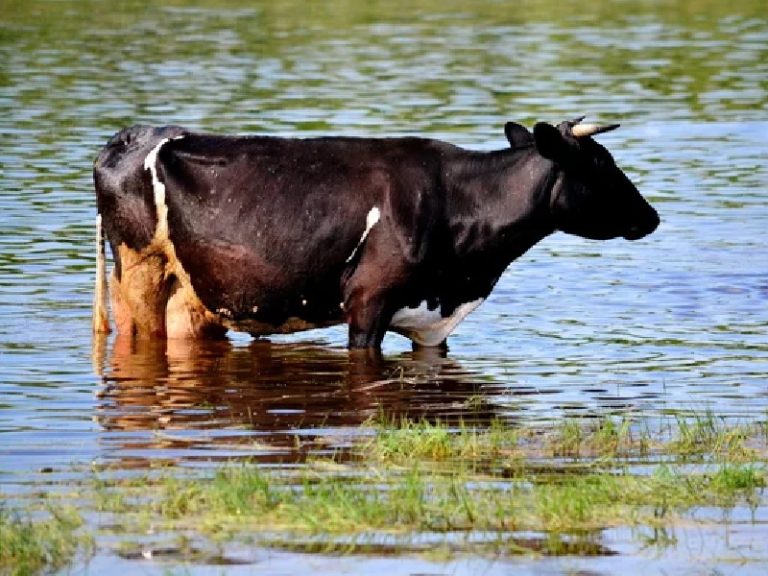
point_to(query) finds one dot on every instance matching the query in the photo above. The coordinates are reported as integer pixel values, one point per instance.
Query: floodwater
(676, 322)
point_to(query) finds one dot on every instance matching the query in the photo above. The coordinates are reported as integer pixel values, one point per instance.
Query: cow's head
(592, 197)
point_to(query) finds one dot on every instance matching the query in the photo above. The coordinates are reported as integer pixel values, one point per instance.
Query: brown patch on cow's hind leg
(120, 310)
(185, 317)
(139, 298)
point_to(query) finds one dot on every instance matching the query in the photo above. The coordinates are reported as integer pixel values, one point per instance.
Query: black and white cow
(274, 235)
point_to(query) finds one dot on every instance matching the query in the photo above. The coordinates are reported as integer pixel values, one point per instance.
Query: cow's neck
(499, 203)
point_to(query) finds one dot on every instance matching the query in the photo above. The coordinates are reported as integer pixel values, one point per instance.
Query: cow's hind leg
(120, 311)
(185, 316)
(140, 295)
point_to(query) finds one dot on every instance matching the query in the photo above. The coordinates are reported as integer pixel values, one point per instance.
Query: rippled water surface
(676, 322)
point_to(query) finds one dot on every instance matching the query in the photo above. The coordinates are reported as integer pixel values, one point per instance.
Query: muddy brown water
(675, 323)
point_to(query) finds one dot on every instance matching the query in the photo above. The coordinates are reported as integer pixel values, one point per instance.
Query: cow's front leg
(368, 303)
(367, 316)
(370, 287)
(441, 348)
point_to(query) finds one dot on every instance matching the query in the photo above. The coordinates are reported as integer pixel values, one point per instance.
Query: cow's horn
(584, 130)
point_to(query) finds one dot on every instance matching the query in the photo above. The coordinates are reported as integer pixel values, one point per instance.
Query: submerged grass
(412, 478)
(559, 487)
(48, 542)
(419, 501)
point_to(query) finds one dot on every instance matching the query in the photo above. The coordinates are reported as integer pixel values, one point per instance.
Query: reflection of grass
(495, 489)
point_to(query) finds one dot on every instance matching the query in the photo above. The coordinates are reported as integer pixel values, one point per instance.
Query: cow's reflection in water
(182, 400)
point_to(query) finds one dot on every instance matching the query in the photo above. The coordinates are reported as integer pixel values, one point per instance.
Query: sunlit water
(676, 322)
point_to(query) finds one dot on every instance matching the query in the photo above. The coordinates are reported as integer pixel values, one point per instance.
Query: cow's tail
(100, 314)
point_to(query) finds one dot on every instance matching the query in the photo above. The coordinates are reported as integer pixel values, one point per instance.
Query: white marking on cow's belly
(370, 221)
(427, 327)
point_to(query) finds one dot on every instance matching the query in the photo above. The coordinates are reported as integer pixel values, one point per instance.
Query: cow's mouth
(638, 231)
(635, 233)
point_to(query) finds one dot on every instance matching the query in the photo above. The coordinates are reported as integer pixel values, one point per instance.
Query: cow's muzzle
(642, 229)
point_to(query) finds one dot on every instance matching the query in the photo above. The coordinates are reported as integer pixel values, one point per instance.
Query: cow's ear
(550, 142)
(517, 135)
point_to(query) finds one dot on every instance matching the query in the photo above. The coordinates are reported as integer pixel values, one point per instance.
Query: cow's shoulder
(417, 196)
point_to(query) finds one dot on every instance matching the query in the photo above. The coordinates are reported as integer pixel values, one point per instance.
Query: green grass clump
(496, 489)
(30, 546)
(705, 434)
(376, 499)
(406, 441)
(604, 437)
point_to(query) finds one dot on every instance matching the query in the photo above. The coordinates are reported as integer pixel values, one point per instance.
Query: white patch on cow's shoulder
(370, 221)
(427, 327)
